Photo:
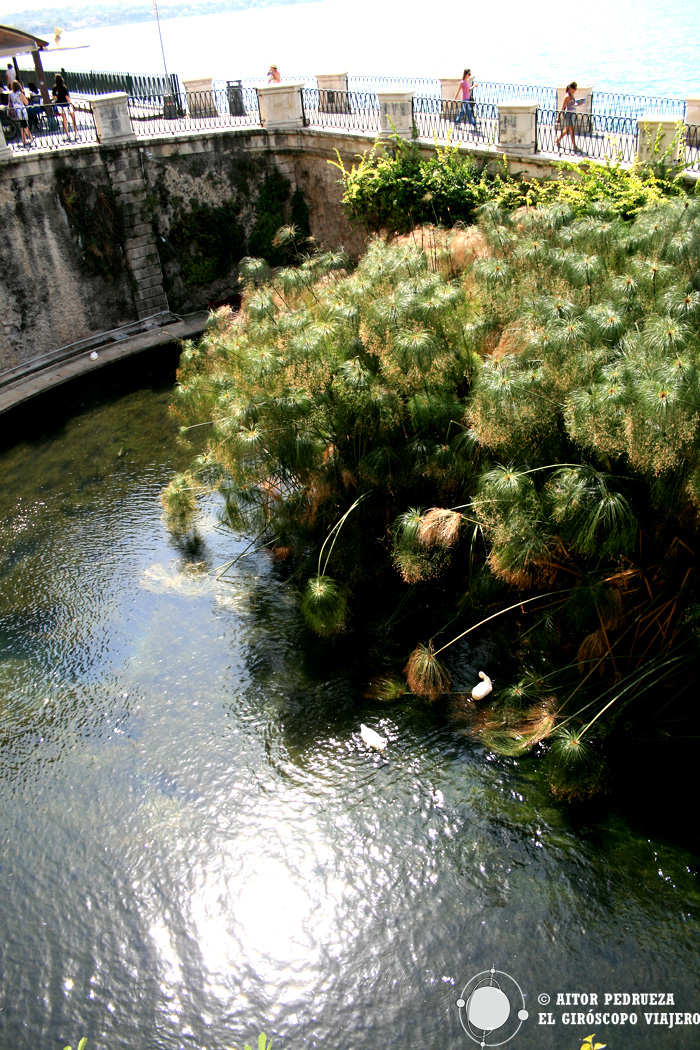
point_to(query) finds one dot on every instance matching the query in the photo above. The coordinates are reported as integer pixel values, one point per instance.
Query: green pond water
(196, 844)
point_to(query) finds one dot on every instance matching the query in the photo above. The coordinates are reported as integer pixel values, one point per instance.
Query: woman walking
(59, 93)
(568, 112)
(466, 86)
(17, 107)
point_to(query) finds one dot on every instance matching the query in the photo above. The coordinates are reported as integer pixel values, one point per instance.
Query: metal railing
(325, 108)
(461, 121)
(98, 83)
(427, 86)
(194, 110)
(613, 104)
(50, 127)
(494, 92)
(594, 135)
(308, 81)
(692, 147)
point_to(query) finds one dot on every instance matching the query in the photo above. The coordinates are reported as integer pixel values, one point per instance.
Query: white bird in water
(371, 738)
(483, 688)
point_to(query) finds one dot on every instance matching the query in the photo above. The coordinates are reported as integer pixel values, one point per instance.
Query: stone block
(517, 126)
(333, 92)
(656, 135)
(692, 110)
(5, 151)
(585, 92)
(280, 106)
(200, 97)
(112, 118)
(449, 87)
(396, 114)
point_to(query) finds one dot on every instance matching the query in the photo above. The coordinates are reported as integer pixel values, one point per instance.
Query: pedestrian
(466, 87)
(273, 75)
(60, 95)
(9, 75)
(568, 113)
(17, 108)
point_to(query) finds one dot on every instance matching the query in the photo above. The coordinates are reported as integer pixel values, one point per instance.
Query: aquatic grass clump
(575, 767)
(324, 605)
(179, 500)
(425, 675)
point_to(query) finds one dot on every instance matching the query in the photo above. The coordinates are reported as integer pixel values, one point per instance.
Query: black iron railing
(326, 108)
(98, 83)
(233, 106)
(594, 135)
(49, 127)
(461, 121)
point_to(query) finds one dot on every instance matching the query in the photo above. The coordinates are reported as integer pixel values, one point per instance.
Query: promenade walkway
(598, 135)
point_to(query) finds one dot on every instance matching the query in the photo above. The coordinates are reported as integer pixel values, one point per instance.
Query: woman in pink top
(466, 86)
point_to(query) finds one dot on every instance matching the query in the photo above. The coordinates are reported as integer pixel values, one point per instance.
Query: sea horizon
(640, 48)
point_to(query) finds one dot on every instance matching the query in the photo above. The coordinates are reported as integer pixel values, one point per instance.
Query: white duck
(371, 738)
(483, 688)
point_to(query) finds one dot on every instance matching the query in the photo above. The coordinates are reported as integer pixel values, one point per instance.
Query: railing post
(333, 92)
(517, 126)
(200, 97)
(585, 92)
(448, 88)
(281, 106)
(112, 118)
(653, 132)
(692, 110)
(5, 151)
(396, 114)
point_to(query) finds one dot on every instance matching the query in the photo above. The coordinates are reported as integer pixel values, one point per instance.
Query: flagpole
(162, 49)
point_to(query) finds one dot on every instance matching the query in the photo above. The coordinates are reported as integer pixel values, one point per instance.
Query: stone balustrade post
(517, 126)
(5, 151)
(112, 118)
(585, 92)
(200, 97)
(692, 110)
(280, 106)
(396, 114)
(448, 88)
(333, 92)
(661, 132)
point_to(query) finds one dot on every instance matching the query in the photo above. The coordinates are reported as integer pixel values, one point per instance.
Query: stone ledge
(57, 371)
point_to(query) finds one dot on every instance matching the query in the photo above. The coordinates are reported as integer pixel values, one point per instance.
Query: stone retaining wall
(99, 236)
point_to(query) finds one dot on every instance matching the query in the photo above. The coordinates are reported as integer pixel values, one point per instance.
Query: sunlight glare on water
(196, 843)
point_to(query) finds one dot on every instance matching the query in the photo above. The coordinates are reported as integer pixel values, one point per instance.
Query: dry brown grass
(440, 526)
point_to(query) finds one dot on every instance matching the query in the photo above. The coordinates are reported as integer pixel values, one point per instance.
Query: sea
(648, 47)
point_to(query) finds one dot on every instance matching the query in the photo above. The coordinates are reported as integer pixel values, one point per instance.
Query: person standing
(9, 75)
(60, 95)
(466, 87)
(18, 109)
(568, 113)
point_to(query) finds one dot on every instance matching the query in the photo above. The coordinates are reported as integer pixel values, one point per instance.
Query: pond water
(197, 846)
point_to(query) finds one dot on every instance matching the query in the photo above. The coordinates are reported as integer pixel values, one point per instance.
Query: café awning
(17, 42)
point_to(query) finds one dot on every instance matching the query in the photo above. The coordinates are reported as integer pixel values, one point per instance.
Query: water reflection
(196, 843)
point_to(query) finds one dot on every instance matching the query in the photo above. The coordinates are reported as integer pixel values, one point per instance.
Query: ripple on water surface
(196, 842)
